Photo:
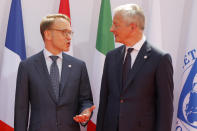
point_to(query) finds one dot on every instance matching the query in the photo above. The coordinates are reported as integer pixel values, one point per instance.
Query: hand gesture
(84, 116)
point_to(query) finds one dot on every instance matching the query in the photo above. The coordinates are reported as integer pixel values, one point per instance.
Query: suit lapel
(40, 65)
(141, 58)
(66, 68)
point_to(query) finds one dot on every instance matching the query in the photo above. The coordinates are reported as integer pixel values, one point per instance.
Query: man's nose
(68, 37)
(112, 29)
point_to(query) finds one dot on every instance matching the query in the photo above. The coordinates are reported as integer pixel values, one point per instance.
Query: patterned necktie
(54, 74)
(126, 67)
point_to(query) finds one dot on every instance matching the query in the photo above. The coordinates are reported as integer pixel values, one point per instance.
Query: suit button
(121, 101)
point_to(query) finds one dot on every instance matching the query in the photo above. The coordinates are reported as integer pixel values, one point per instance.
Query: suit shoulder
(32, 58)
(73, 59)
(159, 53)
(156, 51)
(116, 50)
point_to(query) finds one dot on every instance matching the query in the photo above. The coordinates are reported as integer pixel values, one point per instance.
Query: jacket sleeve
(21, 112)
(85, 94)
(164, 94)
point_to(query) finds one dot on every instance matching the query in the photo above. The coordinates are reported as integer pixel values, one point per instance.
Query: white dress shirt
(49, 61)
(136, 49)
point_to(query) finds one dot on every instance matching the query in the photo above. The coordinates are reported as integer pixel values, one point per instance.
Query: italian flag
(104, 43)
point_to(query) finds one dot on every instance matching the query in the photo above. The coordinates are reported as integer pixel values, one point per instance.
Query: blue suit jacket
(146, 104)
(34, 91)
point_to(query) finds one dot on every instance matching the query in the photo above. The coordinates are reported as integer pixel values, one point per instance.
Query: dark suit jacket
(146, 104)
(34, 90)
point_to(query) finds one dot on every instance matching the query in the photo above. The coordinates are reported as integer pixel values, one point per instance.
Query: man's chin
(67, 49)
(117, 40)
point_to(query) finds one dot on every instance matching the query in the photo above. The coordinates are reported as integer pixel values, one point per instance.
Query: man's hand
(85, 115)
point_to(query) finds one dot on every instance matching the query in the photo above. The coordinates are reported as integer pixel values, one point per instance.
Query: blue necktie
(54, 74)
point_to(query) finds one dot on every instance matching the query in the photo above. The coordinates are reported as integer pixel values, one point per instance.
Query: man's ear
(47, 35)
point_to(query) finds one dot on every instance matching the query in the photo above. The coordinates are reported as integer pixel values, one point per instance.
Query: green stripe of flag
(105, 39)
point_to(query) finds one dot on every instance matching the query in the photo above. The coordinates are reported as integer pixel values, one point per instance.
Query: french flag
(13, 53)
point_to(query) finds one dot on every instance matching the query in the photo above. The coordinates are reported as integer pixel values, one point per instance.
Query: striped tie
(54, 74)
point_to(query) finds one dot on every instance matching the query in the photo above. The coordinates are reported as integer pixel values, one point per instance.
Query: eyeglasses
(65, 32)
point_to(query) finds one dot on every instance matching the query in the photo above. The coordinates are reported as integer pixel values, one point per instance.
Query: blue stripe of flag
(15, 40)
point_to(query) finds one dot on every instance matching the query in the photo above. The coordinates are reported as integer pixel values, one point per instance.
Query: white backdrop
(84, 15)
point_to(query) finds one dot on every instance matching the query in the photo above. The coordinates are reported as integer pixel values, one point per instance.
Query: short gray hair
(133, 13)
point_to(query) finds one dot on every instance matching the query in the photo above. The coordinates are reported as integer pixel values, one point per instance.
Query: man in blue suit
(137, 82)
(51, 85)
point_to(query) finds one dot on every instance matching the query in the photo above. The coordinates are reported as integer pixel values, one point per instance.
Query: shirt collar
(139, 44)
(47, 54)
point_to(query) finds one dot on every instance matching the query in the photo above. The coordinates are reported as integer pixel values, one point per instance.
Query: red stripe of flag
(5, 127)
(64, 7)
(91, 126)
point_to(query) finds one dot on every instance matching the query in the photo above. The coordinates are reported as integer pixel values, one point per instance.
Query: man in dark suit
(137, 83)
(54, 85)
